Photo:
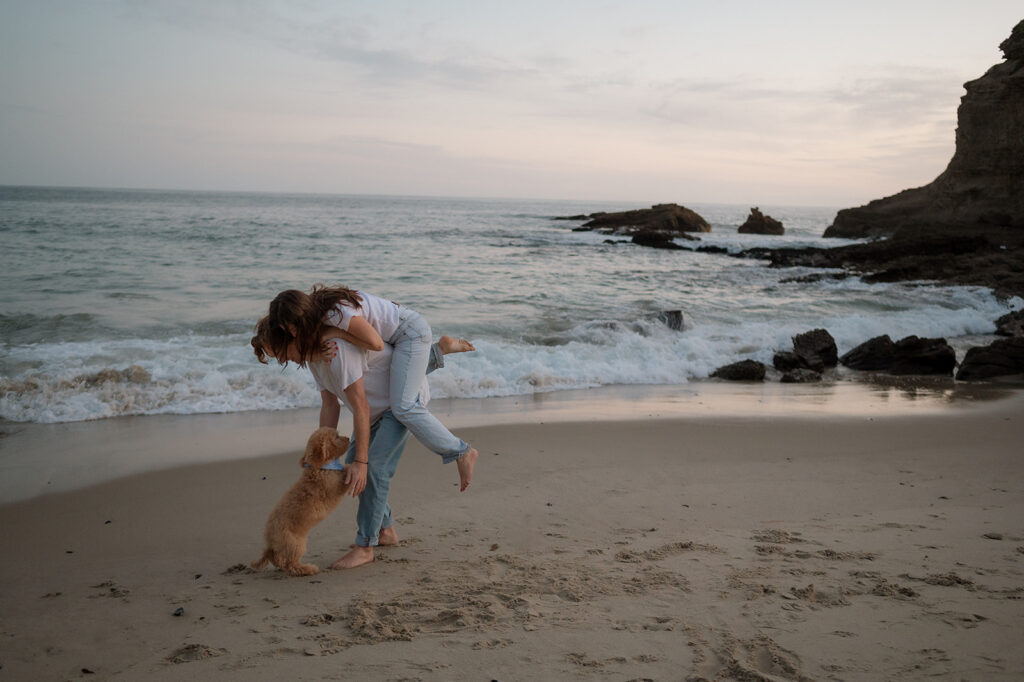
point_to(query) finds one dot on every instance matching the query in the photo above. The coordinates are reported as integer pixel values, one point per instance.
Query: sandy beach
(789, 538)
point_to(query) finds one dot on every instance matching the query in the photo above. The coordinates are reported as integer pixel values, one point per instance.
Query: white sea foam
(74, 381)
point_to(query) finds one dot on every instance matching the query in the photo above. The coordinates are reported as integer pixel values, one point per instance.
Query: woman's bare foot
(388, 537)
(357, 556)
(465, 464)
(449, 344)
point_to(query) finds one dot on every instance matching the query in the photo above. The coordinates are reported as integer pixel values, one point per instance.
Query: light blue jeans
(409, 362)
(388, 437)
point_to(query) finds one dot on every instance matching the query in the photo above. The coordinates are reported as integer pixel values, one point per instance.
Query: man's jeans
(388, 437)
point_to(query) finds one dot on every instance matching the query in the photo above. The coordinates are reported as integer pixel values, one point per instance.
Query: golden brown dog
(308, 502)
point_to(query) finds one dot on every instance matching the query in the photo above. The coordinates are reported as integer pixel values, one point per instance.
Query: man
(343, 374)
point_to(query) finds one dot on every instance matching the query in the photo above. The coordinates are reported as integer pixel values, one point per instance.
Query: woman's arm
(360, 333)
(355, 473)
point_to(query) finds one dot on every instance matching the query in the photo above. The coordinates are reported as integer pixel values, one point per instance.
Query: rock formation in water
(759, 223)
(983, 186)
(669, 219)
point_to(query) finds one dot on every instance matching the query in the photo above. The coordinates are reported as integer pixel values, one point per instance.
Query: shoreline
(35, 458)
(109, 449)
(811, 545)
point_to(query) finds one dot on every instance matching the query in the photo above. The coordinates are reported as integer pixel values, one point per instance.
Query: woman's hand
(355, 474)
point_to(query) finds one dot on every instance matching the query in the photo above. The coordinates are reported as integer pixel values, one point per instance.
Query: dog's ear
(319, 447)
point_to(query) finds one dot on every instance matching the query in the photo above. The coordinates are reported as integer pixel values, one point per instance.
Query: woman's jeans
(409, 362)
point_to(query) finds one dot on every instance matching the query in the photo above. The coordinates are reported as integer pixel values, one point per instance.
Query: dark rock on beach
(759, 223)
(816, 349)
(914, 355)
(875, 354)
(1011, 324)
(744, 370)
(786, 360)
(983, 185)
(1002, 357)
(800, 375)
(673, 219)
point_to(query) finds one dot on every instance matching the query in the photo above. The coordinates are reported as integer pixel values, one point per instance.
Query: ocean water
(143, 302)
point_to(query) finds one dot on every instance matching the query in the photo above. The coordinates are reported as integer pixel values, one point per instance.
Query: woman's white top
(381, 313)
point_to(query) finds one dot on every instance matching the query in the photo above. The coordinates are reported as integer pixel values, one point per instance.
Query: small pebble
(179, 611)
(993, 536)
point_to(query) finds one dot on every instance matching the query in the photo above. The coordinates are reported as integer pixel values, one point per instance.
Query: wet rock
(673, 319)
(1002, 357)
(800, 375)
(914, 355)
(786, 360)
(671, 218)
(744, 370)
(875, 354)
(816, 349)
(1011, 324)
(759, 223)
(657, 239)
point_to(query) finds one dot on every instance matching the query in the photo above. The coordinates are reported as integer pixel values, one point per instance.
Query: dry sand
(815, 546)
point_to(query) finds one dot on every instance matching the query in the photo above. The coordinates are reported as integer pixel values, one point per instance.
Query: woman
(369, 322)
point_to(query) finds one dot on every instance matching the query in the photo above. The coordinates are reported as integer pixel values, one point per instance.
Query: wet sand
(801, 539)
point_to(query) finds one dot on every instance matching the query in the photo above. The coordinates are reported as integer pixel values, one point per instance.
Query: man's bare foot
(465, 464)
(388, 537)
(357, 556)
(449, 344)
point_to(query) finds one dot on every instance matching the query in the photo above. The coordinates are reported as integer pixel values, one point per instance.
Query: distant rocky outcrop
(983, 185)
(658, 239)
(670, 219)
(759, 223)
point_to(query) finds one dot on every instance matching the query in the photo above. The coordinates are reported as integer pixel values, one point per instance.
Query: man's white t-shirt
(347, 367)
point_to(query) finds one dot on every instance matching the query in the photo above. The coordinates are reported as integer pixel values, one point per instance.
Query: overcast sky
(748, 102)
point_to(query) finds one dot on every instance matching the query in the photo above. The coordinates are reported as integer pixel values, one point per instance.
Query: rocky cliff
(983, 186)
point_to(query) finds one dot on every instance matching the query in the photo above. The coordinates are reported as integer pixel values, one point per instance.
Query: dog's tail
(262, 561)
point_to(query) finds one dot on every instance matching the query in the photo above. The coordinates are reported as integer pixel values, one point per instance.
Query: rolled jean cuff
(463, 449)
(436, 358)
(364, 541)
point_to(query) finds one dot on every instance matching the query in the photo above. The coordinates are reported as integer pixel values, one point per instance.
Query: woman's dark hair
(296, 315)
(268, 341)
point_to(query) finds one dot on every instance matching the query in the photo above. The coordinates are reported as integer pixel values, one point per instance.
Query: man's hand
(355, 474)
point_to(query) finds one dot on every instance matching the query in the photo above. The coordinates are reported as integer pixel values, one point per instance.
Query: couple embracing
(373, 355)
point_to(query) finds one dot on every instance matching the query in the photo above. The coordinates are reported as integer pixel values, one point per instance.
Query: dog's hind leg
(262, 561)
(303, 569)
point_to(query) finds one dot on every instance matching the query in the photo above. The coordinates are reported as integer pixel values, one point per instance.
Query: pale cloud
(570, 99)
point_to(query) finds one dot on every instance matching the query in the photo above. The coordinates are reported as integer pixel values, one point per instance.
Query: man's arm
(355, 398)
(330, 409)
